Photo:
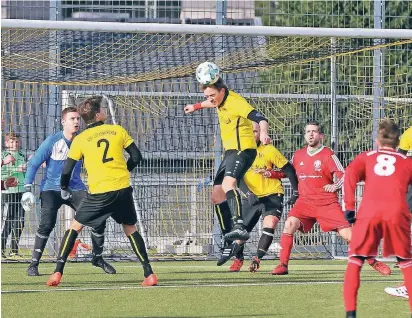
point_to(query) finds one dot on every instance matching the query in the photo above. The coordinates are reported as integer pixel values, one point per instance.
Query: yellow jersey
(101, 147)
(268, 157)
(406, 140)
(235, 129)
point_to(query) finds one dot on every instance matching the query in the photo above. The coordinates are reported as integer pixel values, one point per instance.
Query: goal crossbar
(206, 29)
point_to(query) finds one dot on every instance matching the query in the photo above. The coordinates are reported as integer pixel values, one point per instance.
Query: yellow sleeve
(75, 151)
(275, 156)
(406, 140)
(127, 140)
(244, 108)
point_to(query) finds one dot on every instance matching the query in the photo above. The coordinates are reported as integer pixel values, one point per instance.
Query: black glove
(350, 216)
(293, 198)
(66, 194)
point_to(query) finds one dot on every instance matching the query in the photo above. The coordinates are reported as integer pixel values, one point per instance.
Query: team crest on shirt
(317, 165)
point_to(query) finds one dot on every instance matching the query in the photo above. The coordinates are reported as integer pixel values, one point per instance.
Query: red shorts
(330, 217)
(368, 233)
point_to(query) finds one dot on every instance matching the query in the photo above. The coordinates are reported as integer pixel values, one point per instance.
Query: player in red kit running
(383, 212)
(316, 167)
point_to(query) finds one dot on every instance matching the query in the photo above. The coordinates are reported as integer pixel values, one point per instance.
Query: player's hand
(293, 198)
(11, 182)
(350, 216)
(260, 171)
(8, 159)
(66, 194)
(189, 109)
(28, 199)
(22, 168)
(330, 188)
(265, 139)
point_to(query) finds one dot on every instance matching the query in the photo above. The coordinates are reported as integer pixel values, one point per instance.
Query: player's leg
(17, 224)
(97, 236)
(50, 202)
(66, 246)
(237, 165)
(351, 284)
(272, 213)
(126, 215)
(94, 210)
(8, 220)
(365, 239)
(301, 217)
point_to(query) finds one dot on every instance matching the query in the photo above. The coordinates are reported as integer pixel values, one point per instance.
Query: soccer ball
(207, 73)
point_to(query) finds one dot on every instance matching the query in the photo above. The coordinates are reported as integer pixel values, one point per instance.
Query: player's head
(216, 92)
(256, 131)
(93, 109)
(12, 141)
(70, 120)
(313, 133)
(388, 134)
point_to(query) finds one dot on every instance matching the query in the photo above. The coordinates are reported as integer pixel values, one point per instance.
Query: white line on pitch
(179, 286)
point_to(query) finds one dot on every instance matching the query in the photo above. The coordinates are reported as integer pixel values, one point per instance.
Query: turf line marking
(63, 289)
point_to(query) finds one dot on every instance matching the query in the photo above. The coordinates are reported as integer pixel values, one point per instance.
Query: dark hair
(89, 108)
(218, 85)
(67, 110)
(314, 123)
(388, 133)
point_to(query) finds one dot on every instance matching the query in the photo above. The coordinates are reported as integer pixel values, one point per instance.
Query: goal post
(146, 72)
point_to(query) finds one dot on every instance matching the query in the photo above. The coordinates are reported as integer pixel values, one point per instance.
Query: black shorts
(273, 205)
(95, 209)
(235, 163)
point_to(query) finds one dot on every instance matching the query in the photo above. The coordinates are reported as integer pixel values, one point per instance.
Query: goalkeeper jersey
(406, 140)
(53, 151)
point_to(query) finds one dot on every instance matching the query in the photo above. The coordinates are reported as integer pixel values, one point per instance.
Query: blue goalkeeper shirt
(53, 151)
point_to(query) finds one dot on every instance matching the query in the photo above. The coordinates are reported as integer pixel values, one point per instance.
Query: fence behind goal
(148, 77)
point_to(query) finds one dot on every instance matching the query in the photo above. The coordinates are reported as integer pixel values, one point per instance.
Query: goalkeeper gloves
(350, 216)
(27, 199)
(293, 198)
(66, 194)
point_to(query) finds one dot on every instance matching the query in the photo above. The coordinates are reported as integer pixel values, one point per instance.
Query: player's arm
(131, 148)
(75, 154)
(192, 108)
(135, 156)
(337, 170)
(41, 155)
(355, 172)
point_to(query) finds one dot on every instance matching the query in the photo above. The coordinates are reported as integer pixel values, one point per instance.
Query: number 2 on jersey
(106, 149)
(385, 165)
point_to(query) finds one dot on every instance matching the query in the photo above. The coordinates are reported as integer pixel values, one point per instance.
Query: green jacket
(11, 170)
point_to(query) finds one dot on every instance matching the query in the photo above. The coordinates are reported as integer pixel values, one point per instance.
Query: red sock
(370, 260)
(286, 244)
(406, 268)
(351, 283)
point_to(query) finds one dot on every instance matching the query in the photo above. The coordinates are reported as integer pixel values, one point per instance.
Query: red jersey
(316, 170)
(387, 175)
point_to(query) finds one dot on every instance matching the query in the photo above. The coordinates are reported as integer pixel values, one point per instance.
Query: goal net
(347, 84)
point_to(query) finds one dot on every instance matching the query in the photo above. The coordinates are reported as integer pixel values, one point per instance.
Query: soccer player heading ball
(235, 115)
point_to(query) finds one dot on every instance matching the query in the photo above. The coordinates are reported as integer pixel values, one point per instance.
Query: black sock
(265, 241)
(224, 216)
(139, 249)
(97, 242)
(351, 314)
(239, 254)
(66, 246)
(235, 204)
(40, 242)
